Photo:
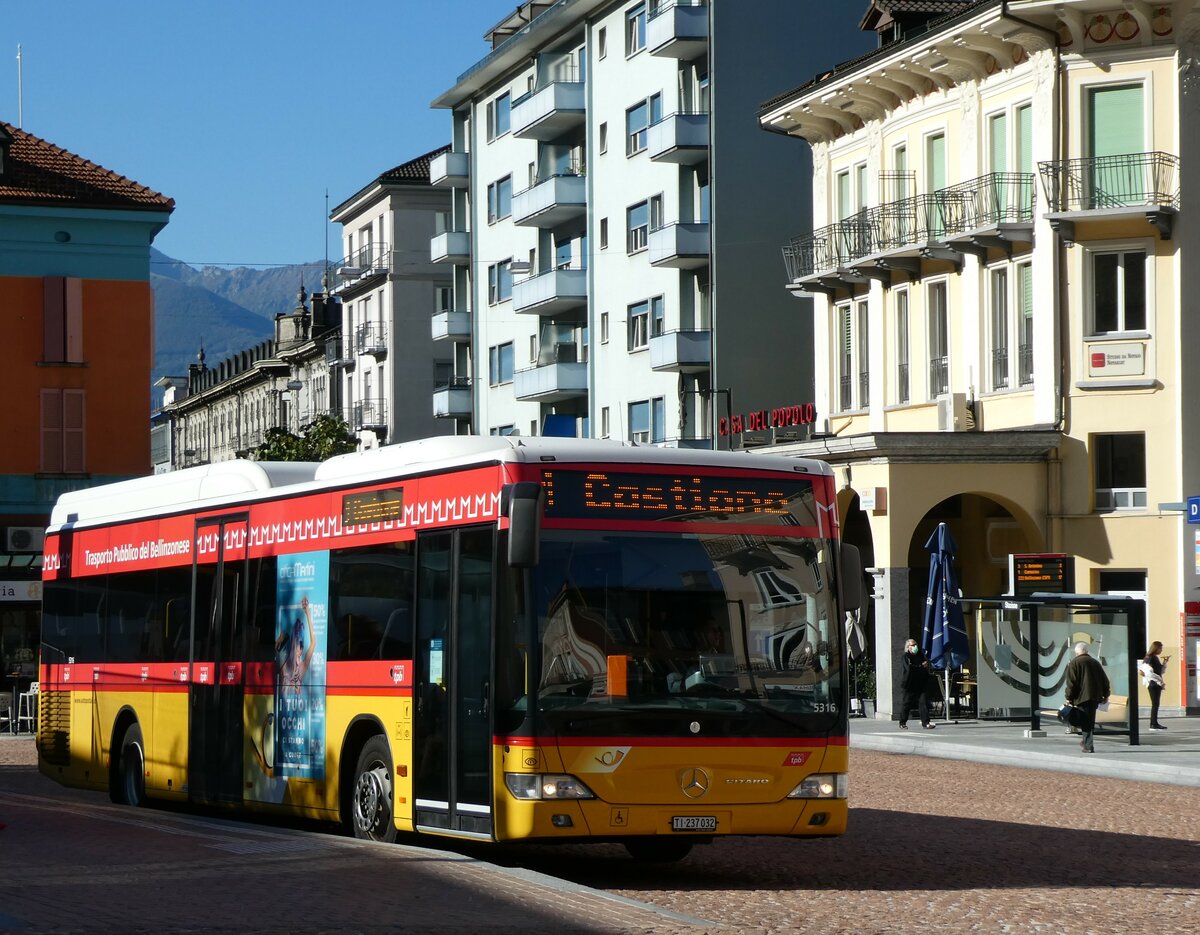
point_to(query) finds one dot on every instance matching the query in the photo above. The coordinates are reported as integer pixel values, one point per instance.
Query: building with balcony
(996, 259)
(611, 277)
(78, 346)
(400, 331)
(224, 411)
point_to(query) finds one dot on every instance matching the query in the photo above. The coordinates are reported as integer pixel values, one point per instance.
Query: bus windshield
(633, 623)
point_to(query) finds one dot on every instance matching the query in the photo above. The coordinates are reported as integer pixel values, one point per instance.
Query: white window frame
(493, 114)
(943, 285)
(1118, 499)
(1090, 253)
(656, 410)
(999, 305)
(902, 335)
(638, 317)
(496, 362)
(604, 327)
(602, 43)
(637, 238)
(635, 29)
(604, 422)
(637, 137)
(494, 192)
(496, 294)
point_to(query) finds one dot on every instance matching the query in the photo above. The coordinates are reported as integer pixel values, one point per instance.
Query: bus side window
(397, 635)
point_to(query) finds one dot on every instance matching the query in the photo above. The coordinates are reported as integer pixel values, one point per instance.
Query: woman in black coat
(914, 685)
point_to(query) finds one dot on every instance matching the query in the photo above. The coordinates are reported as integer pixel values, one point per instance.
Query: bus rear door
(215, 668)
(453, 732)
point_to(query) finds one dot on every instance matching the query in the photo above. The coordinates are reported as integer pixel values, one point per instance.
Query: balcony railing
(370, 414)
(986, 202)
(552, 382)
(372, 338)
(902, 388)
(451, 325)
(678, 28)
(681, 137)
(337, 353)
(450, 169)
(551, 199)
(453, 399)
(1025, 364)
(681, 351)
(552, 108)
(999, 368)
(1129, 180)
(551, 293)
(939, 376)
(450, 247)
(682, 245)
(373, 259)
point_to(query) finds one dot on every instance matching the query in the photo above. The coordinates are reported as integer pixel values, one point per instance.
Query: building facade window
(62, 429)
(647, 420)
(1118, 291)
(604, 327)
(499, 116)
(646, 321)
(500, 363)
(938, 331)
(604, 423)
(635, 30)
(604, 233)
(62, 320)
(844, 354)
(862, 353)
(638, 120)
(998, 314)
(499, 196)
(637, 223)
(500, 282)
(602, 43)
(502, 430)
(1120, 468)
(903, 390)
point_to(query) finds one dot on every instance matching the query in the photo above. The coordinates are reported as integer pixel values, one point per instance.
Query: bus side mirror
(850, 577)
(522, 504)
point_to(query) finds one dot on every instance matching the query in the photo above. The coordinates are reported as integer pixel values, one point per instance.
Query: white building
(612, 221)
(388, 365)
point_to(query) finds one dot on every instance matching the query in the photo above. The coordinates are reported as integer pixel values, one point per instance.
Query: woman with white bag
(1152, 677)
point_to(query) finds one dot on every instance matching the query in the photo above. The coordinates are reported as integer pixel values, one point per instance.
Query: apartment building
(996, 256)
(611, 218)
(78, 344)
(388, 365)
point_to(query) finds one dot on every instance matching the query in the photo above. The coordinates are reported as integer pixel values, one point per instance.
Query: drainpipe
(1061, 307)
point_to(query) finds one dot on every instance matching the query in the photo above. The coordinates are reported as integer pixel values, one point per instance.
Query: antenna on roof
(326, 226)
(20, 93)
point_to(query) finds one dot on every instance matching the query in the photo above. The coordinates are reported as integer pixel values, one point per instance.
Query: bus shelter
(1023, 645)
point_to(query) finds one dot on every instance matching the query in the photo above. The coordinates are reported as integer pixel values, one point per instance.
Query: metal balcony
(451, 247)
(454, 400)
(362, 266)
(550, 111)
(680, 246)
(678, 29)
(372, 339)
(370, 415)
(551, 201)
(552, 293)
(681, 351)
(681, 138)
(994, 210)
(337, 354)
(552, 382)
(1108, 187)
(451, 325)
(450, 170)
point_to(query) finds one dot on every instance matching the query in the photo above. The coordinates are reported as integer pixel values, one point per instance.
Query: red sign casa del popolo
(763, 420)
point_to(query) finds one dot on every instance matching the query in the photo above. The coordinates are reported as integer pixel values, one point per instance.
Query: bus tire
(658, 850)
(129, 777)
(372, 811)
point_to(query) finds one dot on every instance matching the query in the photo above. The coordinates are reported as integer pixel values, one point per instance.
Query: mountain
(221, 310)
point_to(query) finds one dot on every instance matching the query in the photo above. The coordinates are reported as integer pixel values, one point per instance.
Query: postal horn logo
(694, 782)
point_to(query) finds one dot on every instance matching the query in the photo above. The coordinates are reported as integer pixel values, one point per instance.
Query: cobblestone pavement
(934, 846)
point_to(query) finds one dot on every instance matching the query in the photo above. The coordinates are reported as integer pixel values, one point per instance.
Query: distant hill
(223, 310)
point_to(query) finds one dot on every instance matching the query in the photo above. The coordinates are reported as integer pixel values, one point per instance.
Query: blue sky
(243, 112)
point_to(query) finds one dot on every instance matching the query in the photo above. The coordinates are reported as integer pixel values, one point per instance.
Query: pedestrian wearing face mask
(914, 685)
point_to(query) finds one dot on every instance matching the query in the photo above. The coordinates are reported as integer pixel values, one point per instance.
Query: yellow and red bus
(498, 639)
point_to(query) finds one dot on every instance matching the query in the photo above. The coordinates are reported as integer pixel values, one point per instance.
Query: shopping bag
(1070, 715)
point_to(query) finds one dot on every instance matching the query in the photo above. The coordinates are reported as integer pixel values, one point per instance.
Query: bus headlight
(821, 786)
(535, 786)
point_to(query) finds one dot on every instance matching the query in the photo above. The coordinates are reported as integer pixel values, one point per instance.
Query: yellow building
(996, 283)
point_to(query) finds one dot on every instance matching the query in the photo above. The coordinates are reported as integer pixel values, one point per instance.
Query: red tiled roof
(37, 172)
(415, 170)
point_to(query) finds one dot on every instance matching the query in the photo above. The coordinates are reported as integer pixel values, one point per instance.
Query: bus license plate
(694, 823)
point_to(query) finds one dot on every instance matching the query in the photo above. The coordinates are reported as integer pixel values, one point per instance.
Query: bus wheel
(658, 850)
(129, 782)
(371, 815)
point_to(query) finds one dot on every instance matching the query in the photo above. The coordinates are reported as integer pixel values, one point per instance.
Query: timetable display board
(1041, 573)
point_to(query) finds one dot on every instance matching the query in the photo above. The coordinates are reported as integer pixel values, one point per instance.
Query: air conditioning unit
(24, 538)
(953, 414)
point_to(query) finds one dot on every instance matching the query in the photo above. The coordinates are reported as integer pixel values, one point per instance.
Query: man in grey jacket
(1087, 688)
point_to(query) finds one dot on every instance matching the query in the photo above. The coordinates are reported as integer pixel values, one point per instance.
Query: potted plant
(862, 688)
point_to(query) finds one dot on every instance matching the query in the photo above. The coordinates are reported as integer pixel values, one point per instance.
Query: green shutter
(998, 138)
(935, 162)
(1025, 138)
(1116, 116)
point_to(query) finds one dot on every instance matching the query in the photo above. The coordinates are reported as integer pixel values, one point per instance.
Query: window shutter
(1116, 121)
(53, 319)
(998, 127)
(1025, 138)
(52, 434)
(73, 319)
(72, 436)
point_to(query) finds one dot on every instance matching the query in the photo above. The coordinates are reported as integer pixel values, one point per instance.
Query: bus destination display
(373, 506)
(628, 495)
(1041, 574)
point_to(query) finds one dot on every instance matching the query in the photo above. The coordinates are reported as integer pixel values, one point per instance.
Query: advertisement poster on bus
(301, 629)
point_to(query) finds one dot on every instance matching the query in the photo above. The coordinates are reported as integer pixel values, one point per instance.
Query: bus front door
(452, 727)
(219, 577)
